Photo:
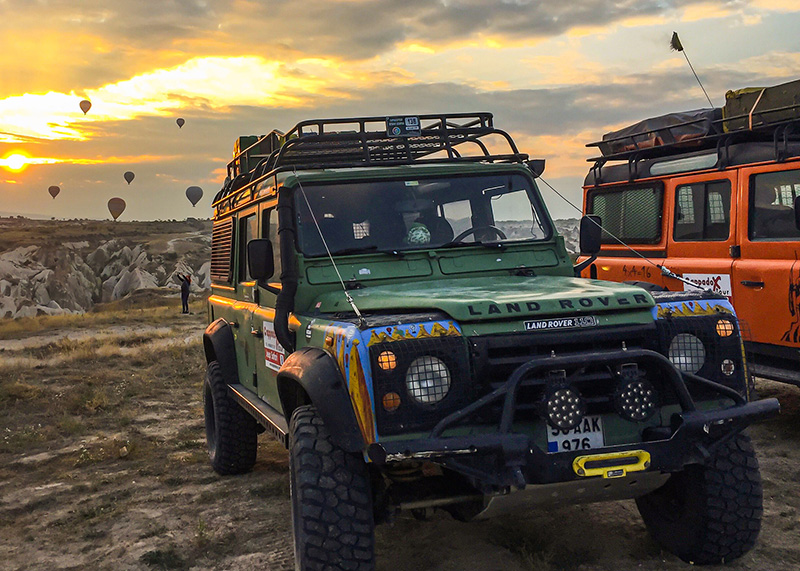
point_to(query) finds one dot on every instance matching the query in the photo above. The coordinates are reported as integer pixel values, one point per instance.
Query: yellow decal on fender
(359, 394)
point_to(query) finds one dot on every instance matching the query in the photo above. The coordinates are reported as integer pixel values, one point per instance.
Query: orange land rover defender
(711, 197)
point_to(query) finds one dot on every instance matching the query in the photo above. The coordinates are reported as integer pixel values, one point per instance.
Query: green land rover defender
(391, 301)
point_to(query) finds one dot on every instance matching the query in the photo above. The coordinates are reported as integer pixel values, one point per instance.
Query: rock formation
(41, 273)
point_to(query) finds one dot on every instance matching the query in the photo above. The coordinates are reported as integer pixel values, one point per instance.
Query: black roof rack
(721, 136)
(367, 141)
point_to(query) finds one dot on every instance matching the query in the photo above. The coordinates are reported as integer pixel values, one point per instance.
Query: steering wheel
(474, 229)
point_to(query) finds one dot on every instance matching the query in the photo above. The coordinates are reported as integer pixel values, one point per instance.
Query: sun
(15, 162)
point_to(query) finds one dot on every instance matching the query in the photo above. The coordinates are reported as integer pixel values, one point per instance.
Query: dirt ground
(103, 466)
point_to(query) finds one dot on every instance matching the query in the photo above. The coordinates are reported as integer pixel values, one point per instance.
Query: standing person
(186, 283)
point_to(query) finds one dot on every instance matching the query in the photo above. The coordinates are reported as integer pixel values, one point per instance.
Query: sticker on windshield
(273, 352)
(561, 323)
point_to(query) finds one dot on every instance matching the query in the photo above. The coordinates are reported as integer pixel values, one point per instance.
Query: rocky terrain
(67, 266)
(568, 228)
(103, 466)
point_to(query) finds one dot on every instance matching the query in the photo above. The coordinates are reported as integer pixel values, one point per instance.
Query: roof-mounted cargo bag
(669, 129)
(760, 106)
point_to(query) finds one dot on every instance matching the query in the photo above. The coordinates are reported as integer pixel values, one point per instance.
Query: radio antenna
(676, 45)
(361, 321)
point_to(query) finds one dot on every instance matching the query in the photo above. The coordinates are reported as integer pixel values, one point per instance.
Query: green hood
(489, 298)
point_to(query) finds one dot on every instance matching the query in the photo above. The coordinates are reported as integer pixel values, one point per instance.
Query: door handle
(256, 332)
(749, 283)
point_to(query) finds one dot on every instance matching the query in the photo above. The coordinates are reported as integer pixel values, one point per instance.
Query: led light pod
(564, 407)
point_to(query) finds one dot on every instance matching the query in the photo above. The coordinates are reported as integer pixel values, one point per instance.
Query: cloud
(110, 41)
(776, 5)
(210, 83)
(707, 11)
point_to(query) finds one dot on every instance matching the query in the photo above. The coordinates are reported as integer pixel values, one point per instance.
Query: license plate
(587, 435)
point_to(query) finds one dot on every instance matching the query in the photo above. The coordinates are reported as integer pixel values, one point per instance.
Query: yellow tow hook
(613, 465)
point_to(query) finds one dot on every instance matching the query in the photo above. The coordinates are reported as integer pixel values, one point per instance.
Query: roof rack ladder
(783, 132)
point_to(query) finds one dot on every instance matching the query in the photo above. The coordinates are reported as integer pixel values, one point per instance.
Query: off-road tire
(331, 499)
(711, 513)
(231, 433)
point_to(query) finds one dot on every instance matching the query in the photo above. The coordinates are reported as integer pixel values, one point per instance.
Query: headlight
(428, 379)
(687, 353)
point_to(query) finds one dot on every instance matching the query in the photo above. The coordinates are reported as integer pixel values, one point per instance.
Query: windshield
(421, 213)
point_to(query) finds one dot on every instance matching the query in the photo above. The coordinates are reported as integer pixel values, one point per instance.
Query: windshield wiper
(367, 250)
(361, 250)
(493, 245)
(395, 253)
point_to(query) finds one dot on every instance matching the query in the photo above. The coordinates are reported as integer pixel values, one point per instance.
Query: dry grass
(154, 309)
(68, 388)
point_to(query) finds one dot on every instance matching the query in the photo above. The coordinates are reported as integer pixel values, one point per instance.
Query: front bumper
(502, 459)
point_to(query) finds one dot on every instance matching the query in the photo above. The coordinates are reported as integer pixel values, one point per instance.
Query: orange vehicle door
(702, 229)
(766, 278)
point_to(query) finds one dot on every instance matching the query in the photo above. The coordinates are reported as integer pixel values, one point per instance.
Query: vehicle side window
(248, 230)
(270, 228)
(772, 205)
(703, 211)
(631, 214)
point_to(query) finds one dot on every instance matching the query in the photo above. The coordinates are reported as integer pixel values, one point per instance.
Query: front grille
(495, 358)
(482, 364)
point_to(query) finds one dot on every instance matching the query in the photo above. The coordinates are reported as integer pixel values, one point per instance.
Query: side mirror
(591, 232)
(536, 166)
(260, 263)
(797, 212)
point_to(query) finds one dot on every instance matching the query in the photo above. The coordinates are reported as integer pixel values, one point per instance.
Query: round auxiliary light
(391, 402)
(724, 328)
(428, 379)
(564, 407)
(636, 400)
(387, 361)
(687, 352)
(728, 367)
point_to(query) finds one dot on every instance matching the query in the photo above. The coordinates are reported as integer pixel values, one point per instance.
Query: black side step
(775, 373)
(264, 414)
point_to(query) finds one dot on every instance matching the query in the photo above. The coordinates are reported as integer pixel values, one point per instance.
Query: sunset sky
(557, 74)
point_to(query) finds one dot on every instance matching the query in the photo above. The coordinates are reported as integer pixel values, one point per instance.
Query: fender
(318, 374)
(218, 346)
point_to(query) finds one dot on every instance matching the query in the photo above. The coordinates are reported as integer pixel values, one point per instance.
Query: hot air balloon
(194, 194)
(116, 206)
(54, 190)
(85, 106)
(180, 121)
(129, 176)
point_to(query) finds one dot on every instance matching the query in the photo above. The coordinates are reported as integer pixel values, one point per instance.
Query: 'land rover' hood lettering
(496, 297)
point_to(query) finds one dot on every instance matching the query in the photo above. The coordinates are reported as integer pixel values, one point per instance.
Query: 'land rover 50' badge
(561, 323)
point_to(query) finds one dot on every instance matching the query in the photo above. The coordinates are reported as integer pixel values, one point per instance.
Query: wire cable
(665, 271)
